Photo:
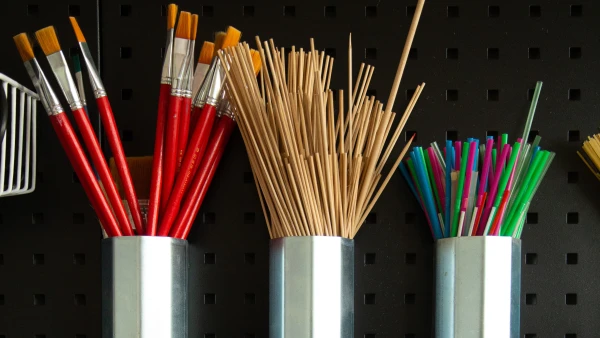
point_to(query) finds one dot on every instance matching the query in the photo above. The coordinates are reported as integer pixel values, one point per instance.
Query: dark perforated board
(50, 242)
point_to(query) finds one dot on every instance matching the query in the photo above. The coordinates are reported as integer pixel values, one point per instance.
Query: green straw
(432, 180)
(506, 173)
(459, 189)
(494, 158)
(532, 107)
(504, 140)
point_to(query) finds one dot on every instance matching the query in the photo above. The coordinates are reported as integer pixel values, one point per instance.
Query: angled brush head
(219, 39)
(194, 27)
(77, 30)
(24, 47)
(232, 37)
(206, 53)
(48, 40)
(256, 61)
(171, 16)
(184, 25)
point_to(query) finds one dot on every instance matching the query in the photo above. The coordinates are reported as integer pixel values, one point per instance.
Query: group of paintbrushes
(194, 123)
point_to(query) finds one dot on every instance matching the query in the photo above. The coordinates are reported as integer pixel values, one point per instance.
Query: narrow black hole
(532, 218)
(451, 95)
(493, 53)
(410, 218)
(574, 94)
(1, 259)
(80, 336)
(1, 299)
(530, 299)
(369, 335)
(492, 133)
(574, 52)
(371, 53)
(572, 218)
(493, 95)
(330, 11)
(208, 11)
(125, 52)
(209, 218)
(369, 298)
(372, 92)
(410, 258)
(249, 298)
(210, 258)
(493, 11)
(410, 298)
(453, 12)
(39, 176)
(249, 218)
(125, 10)
(33, 10)
(126, 94)
(413, 54)
(570, 335)
(78, 218)
(451, 53)
(410, 10)
(572, 177)
(531, 258)
(530, 93)
(210, 335)
(573, 136)
(371, 11)
(163, 10)
(37, 218)
(210, 298)
(74, 10)
(80, 300)
(451, 135)
(408, 134)
(535, 11)
(532, 135)
(248, 178)
(38, 259)
(39, 299)
(410, 93)
(534, 53)
(39, 335)
(571, 299)
(370, 258)
(572, 258)
(289, 11)
(576, 10)
(73, 51)
(127, 135)
(329, 51)
(410, 335)
(248, 11)
(79, 259)
(371, 218)
(249, 258)
(530, 335)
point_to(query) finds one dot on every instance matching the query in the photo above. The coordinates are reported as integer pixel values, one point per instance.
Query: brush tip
(171, 16)
(194, 28)
(24, 47)
(48, 40)
(77, 30)
(256, 61)
(232, 37)
(206, 53)
(184, 25)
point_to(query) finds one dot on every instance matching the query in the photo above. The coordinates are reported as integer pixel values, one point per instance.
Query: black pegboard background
(479, 59)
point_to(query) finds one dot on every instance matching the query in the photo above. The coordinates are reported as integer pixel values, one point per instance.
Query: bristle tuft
(78, 32)
(24, 47)
(48, 40)
(206, 53)
(256, 61)
(232, 38)
(194, 28)
(183, 27)
(219, 39)
(171, 16)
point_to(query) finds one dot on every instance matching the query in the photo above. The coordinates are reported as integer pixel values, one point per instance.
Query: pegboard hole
(162, 52)
(535, 11)
(210, 335)
(75, 178)
(248, 177)
(410, 258)
(329, 51)
(493, 11)
(73, 51)
(572, 218)
(210, 298)
(531, 218)
(74, 10)
(127, 135)
(249, 299)
(532, 135)
(371, 218)
(126, 94)
(249, 218)
(1, 219)
(451, 135)
(38, 259)
(330, 11)
(369, 298)
(530, 335)
(1, 299)
(39, 336)
(249, 335)
(40, 176)
(530, 299)
(493, 53)
(125, 52)
(571, 299)
(493, 95)
(530, 93)
(163, 10)
(78, 218)
(79, 259)
(413, 54)
(531, 258)
(79, 300)
(574, 52)
(372, 93)
(451, 95)
(209, 218)
(249, 258)
(410, 218)
(370, 258)
(289, 11)
(39, 299)
(572, 177)
(574, 94)
(37, 218)
(410, 298)
(408, 134)
(410, 10)
(208, 11)
(452, 12)
(369, 335)
(572, 258)
(452, 53)
(492, 133)
(1, 259)
(80, 336)
(570, 335)
(534, 53)
(33, 10)
(125, 10)
(410, 335)
(410, 93)
(573, 136)
(576, 11)
(210, 258)
(371, 53)
(371, 11)
(248, 11)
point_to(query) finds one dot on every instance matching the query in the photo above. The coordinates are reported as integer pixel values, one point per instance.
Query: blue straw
(408, 179)
(449, 159)
(476, 159)
(535, 151)
(427, 196)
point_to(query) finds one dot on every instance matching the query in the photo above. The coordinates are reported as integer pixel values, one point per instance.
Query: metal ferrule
(144, 287)
(311, 287)
(97, 85)
(478, 287)
(226, 109)
(202, 93)
(167, 69)
(199, 76)
(61, 71)
(80, 88)
(41, 84)
(180, 62)
(216, 84)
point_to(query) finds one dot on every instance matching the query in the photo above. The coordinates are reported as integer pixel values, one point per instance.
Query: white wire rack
(18, 146)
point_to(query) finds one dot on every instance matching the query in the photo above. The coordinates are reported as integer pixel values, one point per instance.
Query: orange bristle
(48, 40)
(194, 28)
(232, 37)
(78, 32)
(184, 25)
(219, 39)
(206, 53)
(256, 61)
(171, 16)
(24, 47)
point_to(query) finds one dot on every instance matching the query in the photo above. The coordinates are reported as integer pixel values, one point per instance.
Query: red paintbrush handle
(170, 154)
(184, 129)
(194, 116)
(193, 155)
(114, 141)
(84, 172)
(91, 143)
(158, 160)
(194, 197)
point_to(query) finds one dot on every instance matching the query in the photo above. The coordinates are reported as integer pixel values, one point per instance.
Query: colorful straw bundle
(591, 154)
(473, 189)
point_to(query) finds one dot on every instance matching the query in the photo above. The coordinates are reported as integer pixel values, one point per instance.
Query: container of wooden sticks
(311, 283)
(144, 287)
(478, 287)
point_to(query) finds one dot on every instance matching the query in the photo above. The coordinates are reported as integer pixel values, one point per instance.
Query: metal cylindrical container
(144, 287)
(311, 282)
(478, 287)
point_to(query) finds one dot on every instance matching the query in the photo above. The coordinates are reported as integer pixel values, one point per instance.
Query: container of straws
(475, 197)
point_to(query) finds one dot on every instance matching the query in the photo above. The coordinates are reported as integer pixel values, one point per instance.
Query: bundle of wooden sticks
(194, 122)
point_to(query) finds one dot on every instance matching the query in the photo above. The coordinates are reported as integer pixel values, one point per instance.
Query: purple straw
(493, 190)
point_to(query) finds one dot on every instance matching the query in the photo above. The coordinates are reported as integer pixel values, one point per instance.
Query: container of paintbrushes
(477, 287)
(311, 287)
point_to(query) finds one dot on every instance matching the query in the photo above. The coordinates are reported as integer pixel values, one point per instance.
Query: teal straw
(459, 190)
(432, 181)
